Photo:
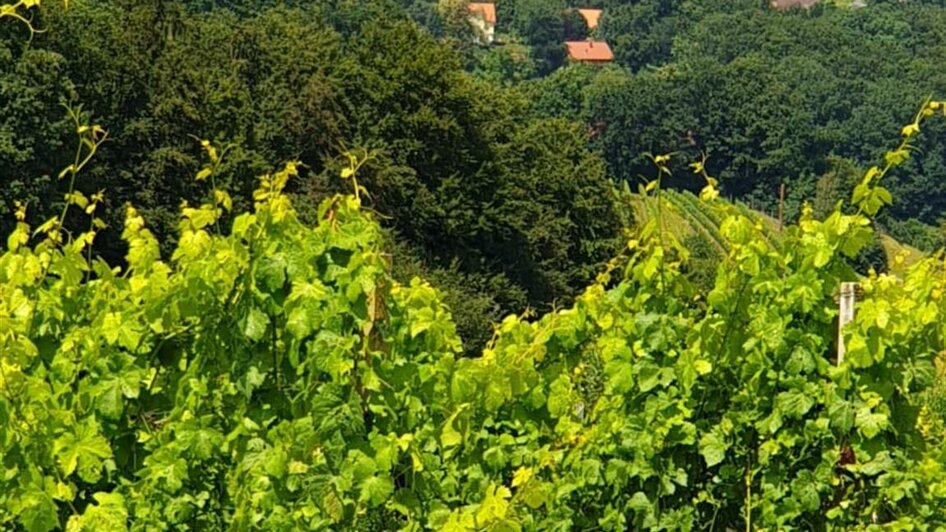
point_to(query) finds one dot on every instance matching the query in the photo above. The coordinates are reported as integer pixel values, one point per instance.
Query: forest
(348, 265)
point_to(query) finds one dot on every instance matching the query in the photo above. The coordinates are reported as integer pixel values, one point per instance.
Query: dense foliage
(274, 376)
(771, 97)
(263, 367)
(486, 195)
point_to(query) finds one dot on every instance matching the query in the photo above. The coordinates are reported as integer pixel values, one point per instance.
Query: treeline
(798, 97)
(505, 209)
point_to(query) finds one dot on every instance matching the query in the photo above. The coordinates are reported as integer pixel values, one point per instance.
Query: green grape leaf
(375, 490)
(713, 447)
(270, 272)
(333, 506)
(870, 423)
(795, 403)
(108, 398)
(84, 449)
(38, 512)
(256, 323)
(109, 515)
(841, 414)
(449, 436)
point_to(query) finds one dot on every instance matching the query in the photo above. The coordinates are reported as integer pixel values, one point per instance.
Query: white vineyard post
(845, 314)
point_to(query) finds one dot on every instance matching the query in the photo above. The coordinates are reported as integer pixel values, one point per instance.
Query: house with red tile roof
(589, 51)
(483, 18)
(591, 16)
(785, 4)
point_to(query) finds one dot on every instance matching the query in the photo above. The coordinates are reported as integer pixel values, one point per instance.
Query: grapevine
(271, 375)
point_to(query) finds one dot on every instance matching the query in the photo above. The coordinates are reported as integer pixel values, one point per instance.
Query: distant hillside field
(696, 225)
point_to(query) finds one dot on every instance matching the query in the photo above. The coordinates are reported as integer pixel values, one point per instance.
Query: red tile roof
(785, 4)
(593, 51)
(592, 16)
(485, 10)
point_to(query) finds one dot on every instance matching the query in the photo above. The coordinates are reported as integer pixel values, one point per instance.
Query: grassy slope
(899, 256)
(684, 216)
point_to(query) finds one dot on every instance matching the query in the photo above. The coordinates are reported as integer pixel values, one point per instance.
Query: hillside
(375, 266)
(695, 224)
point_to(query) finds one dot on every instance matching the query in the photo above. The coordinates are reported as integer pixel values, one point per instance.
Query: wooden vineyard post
(846, 302)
